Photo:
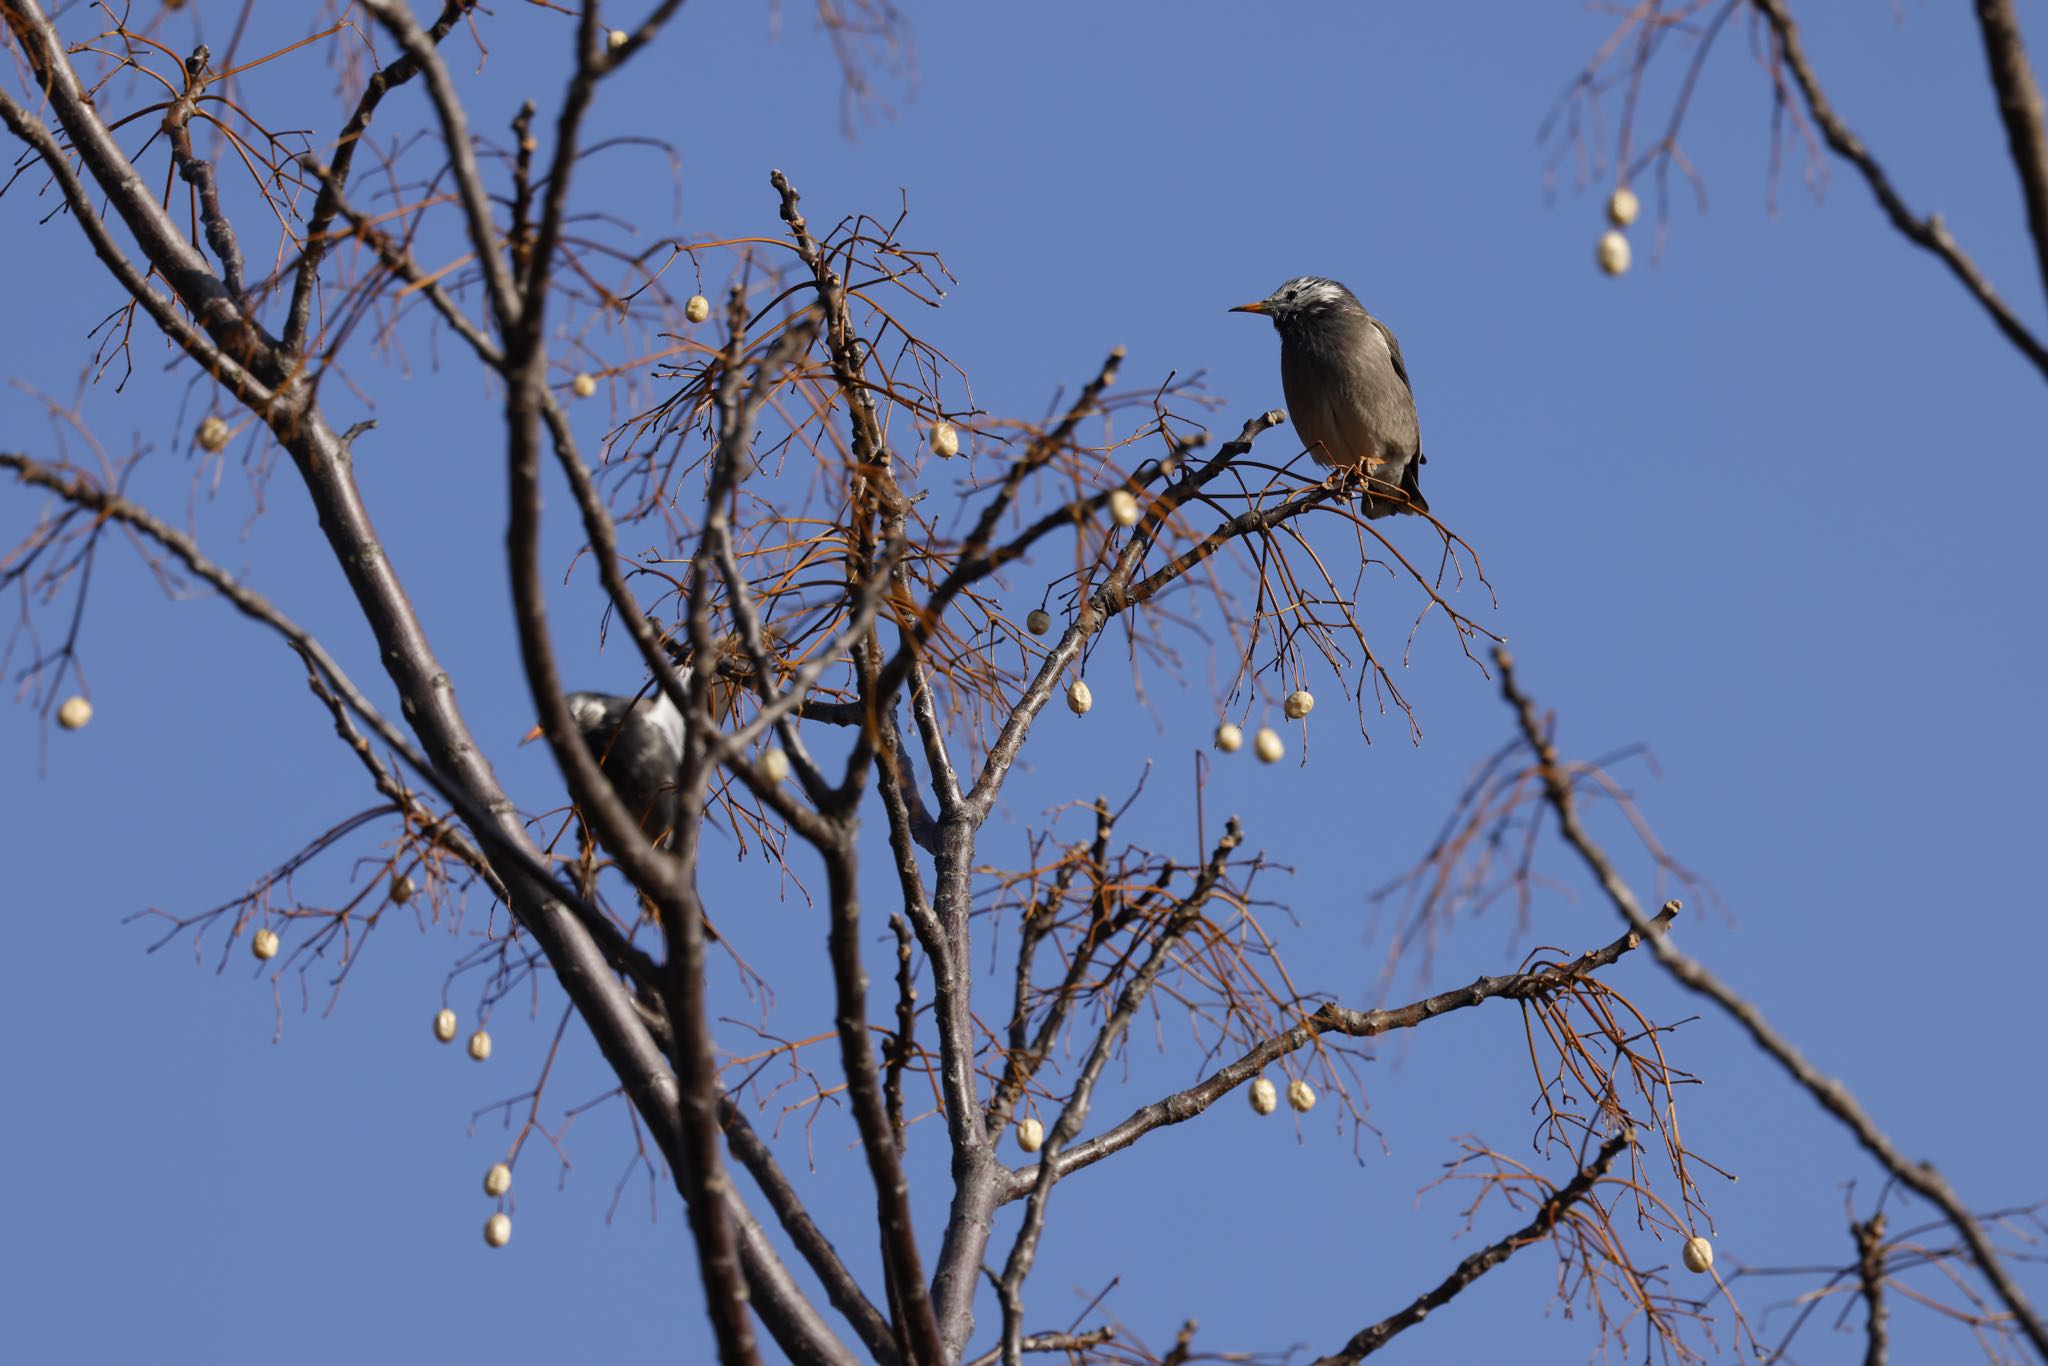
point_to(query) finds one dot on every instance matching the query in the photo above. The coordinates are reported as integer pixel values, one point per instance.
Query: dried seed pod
(444, 1025)
(1030, 1135)
(697, 308)
(775, 764)
(945, 440)
(1301, 1095)
(1038, 622)
(498, 1229)
(402, 889)
(498, 1179)
(584, 385)
(1079, 699)
(1263, 1097)
(1229, 738)
(1299, 703)
(75, 712)
(1613, 254)
(264, 944)
(1267, 745)
(1623, 206)
(1123, 507)
(1698, 1254)
(480, 1045)
(213, 434)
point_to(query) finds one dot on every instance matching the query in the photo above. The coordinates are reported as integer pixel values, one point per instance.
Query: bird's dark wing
(1400, 368)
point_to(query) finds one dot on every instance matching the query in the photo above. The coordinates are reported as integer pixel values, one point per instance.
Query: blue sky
(1766, 504)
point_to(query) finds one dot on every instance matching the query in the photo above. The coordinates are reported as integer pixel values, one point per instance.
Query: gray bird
(638, 741)
(1347, 389)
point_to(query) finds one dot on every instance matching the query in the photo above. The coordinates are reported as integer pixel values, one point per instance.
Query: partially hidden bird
(1347, 390)
(638, 741)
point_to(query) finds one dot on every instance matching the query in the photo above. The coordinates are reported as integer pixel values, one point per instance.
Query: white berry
(444, 1025)
(584, 385)
(75, 712)
(620, 38)
(697, 308)
(945, 440)
(1299, 703)
(1079, 699)
(1030, 1135)
(1698, 1254)
(1613, 253)
(498, 1179)
(1301, 1095)
(498, 1229)
(1263, 1097)
(1123, 507)
(1623, 206)
(775, 764)
(1229, 738)
(1267, 745)
(480, 1045)
(402, 889)
(213, 434)
(264, 944)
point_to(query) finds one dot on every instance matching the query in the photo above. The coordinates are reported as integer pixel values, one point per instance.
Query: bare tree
(824, 604)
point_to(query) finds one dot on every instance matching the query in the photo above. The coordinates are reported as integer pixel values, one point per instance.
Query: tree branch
(76, 489)
(1533, 984)
(333, 177)
(1075, 1112)
(1051, 1342)
(816, 1249)
(193, 340)
(1690, 973)
(469, 180)
(1929, 233)
(922, 1343)
(1369, 1340)
(2019, 105)
(1870, 1279)
(1106, 603)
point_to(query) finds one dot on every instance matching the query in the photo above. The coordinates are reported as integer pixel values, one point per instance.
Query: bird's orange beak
(530, 736)
(1259, 307)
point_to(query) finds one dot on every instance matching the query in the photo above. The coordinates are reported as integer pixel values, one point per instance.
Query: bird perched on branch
(1347, 389)
(638, 741)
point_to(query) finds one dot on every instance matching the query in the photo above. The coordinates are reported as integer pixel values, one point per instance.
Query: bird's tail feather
(1409, 499)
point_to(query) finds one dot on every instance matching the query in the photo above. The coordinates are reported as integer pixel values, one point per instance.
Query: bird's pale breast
(1348, 404)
